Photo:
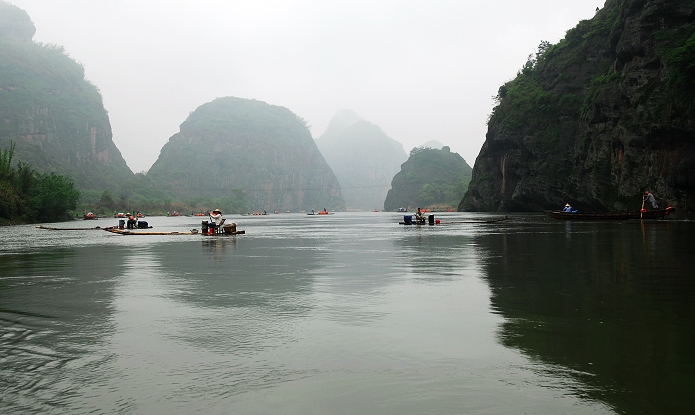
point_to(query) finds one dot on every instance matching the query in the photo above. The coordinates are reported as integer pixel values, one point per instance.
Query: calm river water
(350, 314)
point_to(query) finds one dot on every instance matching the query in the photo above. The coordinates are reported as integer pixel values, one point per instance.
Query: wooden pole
(641, 211)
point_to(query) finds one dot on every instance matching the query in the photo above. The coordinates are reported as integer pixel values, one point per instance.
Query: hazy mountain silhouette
(234, 146)
(363, 158)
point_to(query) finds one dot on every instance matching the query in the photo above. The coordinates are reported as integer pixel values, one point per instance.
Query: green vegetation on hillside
(677, 48)
(430, 178)
(28, 196)
(593, 119)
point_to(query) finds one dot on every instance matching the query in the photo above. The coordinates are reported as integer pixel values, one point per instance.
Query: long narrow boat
(97, 228)
(191, 232)
(650, 214)
(133, 232)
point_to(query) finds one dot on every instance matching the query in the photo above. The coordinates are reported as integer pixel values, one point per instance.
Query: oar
(641, 211)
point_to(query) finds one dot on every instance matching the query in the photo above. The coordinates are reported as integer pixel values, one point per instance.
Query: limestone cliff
(53, 114)
(238, 146)
(598, 118)
(363, 158)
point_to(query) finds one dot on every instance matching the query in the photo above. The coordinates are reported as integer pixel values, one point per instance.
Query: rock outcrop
(234, 147)
(597, 118)
(363, 158)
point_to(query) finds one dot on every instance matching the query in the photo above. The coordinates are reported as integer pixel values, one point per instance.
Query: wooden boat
(650, 214)
(90, 216)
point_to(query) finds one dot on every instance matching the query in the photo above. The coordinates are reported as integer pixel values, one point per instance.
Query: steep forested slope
(53, 114)
(598, 118)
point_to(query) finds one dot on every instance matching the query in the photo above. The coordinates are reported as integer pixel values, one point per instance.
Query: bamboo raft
(96, 228)
(478, 221)
(191, 232)
(456, 222)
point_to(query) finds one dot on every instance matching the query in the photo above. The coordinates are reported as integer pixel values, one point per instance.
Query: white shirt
(217, 217)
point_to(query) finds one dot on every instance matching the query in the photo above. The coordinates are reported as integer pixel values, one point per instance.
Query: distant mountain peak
(341, 120)
(363, 158)
(15, 22)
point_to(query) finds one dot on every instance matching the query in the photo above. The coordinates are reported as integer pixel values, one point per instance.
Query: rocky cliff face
(233, 145)
(363, 158)
(598, 118)
(56, 117)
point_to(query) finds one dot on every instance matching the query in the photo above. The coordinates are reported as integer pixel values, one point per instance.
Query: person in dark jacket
(132, 222)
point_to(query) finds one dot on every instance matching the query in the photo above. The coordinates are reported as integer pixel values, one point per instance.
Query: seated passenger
(419, 216)
(216, 218)
(567, 208)
(132, 222)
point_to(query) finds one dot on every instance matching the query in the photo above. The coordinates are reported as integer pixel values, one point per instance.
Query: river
(350, 314)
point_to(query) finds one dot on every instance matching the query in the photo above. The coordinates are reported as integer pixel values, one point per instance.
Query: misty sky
(421, 70)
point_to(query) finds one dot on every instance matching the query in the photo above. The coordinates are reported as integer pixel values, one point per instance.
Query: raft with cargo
(408, 220)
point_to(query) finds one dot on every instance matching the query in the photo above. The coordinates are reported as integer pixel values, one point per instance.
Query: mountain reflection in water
(350, 313)
(610, 304)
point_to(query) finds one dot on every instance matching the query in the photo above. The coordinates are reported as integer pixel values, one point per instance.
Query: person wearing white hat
(567, 208)
(215, 220)
(216, 216)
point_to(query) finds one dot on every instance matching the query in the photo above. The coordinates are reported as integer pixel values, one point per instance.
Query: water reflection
(55, 315)
(232, 302)
(318, 315)
(613, 308)
(218, 247)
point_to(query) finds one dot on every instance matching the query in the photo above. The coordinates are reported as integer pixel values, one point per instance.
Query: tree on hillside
(52, 197)
(28, 196)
